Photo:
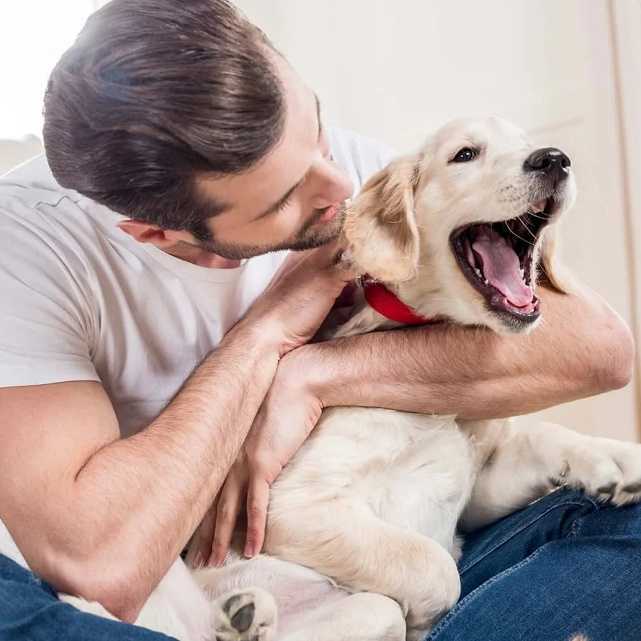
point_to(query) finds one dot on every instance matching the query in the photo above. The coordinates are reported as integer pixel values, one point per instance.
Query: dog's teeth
(485, 281)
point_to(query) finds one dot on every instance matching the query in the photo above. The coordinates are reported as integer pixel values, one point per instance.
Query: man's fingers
(226, 516)
(200, 544)
(327, 258)
(257, 502)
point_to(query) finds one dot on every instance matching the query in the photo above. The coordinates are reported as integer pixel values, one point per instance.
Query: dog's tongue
(501, 267)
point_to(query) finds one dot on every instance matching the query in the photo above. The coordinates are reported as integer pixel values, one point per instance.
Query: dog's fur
(362, 531)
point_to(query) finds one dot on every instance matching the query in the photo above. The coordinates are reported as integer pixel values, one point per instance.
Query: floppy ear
(553, 270)
(380, 227)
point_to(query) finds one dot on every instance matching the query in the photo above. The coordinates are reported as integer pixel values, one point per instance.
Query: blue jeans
(563, 565)
(30, 611)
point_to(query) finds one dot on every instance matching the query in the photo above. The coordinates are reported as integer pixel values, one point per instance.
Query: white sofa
(14, 152)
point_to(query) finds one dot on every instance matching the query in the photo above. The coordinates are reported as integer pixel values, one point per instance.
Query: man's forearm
(581, 348)
(151, 490)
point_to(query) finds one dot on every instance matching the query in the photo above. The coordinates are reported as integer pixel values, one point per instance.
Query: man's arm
(104, 518)
(580, 349)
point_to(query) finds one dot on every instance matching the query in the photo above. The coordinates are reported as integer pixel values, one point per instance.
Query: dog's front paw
(606, 469)
(627, 456)
(245, 615)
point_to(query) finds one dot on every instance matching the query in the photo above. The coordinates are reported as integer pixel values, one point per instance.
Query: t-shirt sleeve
(358, 155)
(46, 324)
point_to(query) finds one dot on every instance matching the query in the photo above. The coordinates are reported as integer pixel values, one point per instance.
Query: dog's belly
(411, 470)
(298, 590)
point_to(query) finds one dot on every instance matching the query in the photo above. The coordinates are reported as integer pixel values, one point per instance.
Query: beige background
(566, 70)
(397, 70)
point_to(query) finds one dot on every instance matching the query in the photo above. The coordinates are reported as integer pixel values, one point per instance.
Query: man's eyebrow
(272, 208)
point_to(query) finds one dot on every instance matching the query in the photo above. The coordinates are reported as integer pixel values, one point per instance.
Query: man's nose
(334, 186)
(549, 161)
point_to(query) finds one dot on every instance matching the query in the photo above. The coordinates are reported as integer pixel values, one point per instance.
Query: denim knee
(611, 521)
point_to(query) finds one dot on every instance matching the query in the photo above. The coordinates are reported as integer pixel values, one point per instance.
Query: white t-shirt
(82, 300)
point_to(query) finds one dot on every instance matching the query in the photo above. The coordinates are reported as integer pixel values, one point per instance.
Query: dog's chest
(412, 470)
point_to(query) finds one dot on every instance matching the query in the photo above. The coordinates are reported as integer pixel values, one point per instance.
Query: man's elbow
(614, 356)
(116, 596)
(106, 581)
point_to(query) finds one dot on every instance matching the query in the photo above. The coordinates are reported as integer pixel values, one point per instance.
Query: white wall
(396, 70)
(14, 152)
(33, 36)
(626, 37)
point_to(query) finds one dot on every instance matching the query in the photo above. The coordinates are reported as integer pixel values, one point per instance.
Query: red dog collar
(389, 305)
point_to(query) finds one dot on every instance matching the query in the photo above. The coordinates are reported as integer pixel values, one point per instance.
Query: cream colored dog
(362, 532)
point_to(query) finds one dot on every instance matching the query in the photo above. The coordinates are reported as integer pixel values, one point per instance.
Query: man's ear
(380, 227)
(553, 270)
(148, 233)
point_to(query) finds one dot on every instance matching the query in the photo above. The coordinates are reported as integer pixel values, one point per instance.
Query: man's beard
(311, 235)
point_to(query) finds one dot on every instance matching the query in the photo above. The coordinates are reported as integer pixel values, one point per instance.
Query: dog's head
(461, 227)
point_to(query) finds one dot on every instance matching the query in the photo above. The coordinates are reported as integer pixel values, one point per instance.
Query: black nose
(549, 161)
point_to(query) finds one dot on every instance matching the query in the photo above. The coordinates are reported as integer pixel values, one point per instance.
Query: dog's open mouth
(497, 259)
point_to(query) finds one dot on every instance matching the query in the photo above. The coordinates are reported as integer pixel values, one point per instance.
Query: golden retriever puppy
(362, 541)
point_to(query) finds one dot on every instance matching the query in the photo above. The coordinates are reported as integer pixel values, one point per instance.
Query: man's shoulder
(358, 155)
(32, 182)
(31, 199)
(35, 211)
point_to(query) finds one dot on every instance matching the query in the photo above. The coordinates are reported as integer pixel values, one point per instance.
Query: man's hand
(288, 415)
(289, 312)
(300, 296)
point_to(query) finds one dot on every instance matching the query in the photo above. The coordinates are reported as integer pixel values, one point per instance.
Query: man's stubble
(311, 235)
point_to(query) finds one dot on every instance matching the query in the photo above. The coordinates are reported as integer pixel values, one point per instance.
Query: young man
(147, 314)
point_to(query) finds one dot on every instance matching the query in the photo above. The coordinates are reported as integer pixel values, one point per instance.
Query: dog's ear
(380, 227)
(554, 272)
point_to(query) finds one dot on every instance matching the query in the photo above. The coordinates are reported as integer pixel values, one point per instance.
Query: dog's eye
(465, 155)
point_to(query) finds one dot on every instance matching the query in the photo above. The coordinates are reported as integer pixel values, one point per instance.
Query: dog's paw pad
(243, 618)
(246, 615)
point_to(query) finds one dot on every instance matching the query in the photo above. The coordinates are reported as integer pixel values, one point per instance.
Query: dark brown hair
(155, 93)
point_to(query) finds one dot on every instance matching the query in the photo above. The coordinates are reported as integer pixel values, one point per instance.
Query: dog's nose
(549, 161)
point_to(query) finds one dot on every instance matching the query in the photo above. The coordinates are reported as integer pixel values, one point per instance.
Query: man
(145, 323)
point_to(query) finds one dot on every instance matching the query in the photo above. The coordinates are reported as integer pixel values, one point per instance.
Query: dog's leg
(245, 615)
(344, 540)
(359, 617)
(528, 462)
(178, 607)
